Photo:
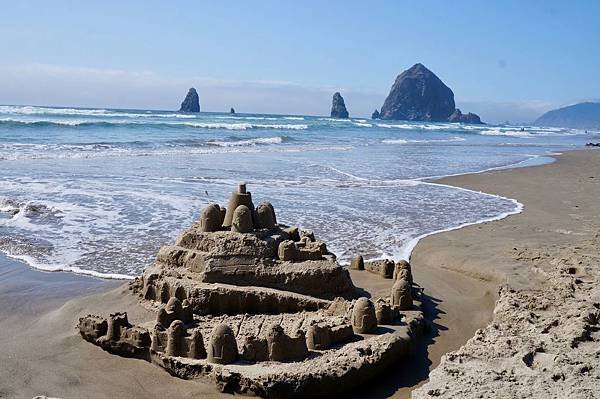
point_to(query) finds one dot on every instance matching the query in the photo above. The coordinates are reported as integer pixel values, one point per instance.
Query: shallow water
(98, 191)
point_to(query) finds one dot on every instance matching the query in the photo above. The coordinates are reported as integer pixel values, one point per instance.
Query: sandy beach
(460, 271)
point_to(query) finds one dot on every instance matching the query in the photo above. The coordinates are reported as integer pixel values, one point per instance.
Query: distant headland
(579, 116)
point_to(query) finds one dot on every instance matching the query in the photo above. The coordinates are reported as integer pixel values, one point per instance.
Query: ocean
(98, 191)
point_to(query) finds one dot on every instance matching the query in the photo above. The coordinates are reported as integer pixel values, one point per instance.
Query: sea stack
(375, 115)
(459, 117)
(419, 95)
(232, 111)
(338, 107)
(191, 103)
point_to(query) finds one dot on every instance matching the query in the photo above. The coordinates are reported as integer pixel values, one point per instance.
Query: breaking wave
(407, 141)
(207, 125)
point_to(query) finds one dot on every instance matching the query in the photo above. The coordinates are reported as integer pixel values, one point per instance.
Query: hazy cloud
(43, 84)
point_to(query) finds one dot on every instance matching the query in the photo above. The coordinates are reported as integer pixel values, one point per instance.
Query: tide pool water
(98, 191)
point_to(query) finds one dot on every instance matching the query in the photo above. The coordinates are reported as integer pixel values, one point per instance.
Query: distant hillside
(578, 116)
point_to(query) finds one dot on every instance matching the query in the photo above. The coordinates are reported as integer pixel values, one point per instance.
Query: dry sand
(544, 339)
(41, 353)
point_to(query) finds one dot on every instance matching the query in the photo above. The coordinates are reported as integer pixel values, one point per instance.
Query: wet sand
(460, 271)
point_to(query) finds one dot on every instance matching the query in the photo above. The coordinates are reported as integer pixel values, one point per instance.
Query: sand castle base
(263, 309)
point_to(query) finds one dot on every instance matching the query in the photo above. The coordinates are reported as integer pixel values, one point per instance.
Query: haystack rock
(191, 103)
(419, 95)
(338, 107)
(375, 115)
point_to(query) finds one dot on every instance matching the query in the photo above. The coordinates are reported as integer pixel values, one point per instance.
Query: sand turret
(401, 294)
(383, 312)
(165, 292)
(197, 350)
(115, 322)
(282, 347)
(318, 337)
(364, 319)
(265, 216)
(357, 263)
(210, 219)
(241, 221)
(222, 348)
(175, 335)
(241, 197)
(402, 270)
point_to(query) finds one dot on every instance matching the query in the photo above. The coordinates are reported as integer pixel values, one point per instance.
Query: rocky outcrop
(419, 95)
(375, 115)
(338, 107)
(232, 110)
(191, 103)
(459, 117)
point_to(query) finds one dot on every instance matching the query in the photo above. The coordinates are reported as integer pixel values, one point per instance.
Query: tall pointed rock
(191, 103)
(338, 107)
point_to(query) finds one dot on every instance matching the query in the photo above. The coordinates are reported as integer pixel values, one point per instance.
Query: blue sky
(506, 59)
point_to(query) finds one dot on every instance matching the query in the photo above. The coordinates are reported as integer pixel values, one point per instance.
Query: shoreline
(404, 251)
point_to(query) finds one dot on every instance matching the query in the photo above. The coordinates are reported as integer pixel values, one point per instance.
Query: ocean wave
(90, 112)
(408, 141)
(253, 118)
(202, 125)
(413, 126)
(509, 133)
(244, 126)
(248, 142)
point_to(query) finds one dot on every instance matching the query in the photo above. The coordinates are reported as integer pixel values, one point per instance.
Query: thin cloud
(47, 84)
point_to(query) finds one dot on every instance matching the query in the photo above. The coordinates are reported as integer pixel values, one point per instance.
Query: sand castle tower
(277, 344)
(210, 219)
(383, 312)
(265, 216)
(241, 197)
(165, 292)
(115, 322)
(364, 319)
(357, 263)
(222, 348)
(241, 221)
(401, 294)
(197, 350)
(175, 334)
(318, 337)
(402, 270)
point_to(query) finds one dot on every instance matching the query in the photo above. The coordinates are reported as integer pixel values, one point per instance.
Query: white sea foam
(406, 250)
(246, 126)
(509, 133)
(249, 142)
(409, 141)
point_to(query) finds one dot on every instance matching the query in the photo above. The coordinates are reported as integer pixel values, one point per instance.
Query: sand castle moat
(261, 308)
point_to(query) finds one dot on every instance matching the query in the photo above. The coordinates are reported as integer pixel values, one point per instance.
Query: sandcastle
(262, 308)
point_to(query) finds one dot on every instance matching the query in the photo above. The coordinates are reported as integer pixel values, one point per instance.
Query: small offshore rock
(338, 107)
